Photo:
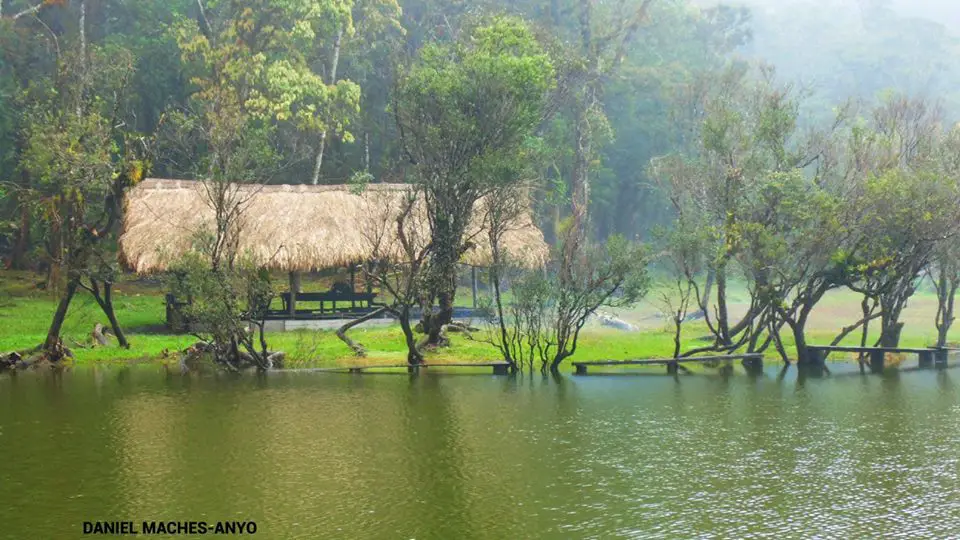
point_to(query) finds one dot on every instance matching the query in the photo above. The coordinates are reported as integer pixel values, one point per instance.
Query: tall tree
(465, 112)
(82, 162)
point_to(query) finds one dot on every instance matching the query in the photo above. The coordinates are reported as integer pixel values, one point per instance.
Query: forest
(669, 150)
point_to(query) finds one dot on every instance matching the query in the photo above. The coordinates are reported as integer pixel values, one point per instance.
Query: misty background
(840, 49)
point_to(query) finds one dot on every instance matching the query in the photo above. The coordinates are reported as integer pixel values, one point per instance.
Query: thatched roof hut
(294, 228)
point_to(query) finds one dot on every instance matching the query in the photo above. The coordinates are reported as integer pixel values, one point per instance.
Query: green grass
(25, 313)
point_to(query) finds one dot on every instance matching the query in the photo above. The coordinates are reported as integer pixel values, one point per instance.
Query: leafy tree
(81, 164)
(548, 311)
(465, 112)
(248, 63)
(745, 137)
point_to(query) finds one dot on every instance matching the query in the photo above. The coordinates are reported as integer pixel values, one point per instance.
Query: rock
(695, 316)
(10, 361)
(613, 322)
(98, 334)
(275, 360)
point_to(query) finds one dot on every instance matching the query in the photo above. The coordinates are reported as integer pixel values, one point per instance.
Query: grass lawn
(25, 313)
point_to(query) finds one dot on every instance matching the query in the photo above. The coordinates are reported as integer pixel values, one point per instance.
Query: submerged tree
(548, 310)
(683, 257)
(743, 134)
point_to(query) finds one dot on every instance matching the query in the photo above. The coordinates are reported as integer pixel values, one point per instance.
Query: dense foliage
(645, 119)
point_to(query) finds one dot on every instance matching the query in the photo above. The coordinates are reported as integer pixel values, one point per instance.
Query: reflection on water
(443, 456)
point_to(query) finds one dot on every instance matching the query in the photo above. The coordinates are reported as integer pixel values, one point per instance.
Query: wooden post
(753, 364)
(473, 284)
(581, 369)
(877, 360)
(367, 277)
(501, 369)
(940, 358)
(294, 290)
(926, 359)
(353, 286)
(673, 367)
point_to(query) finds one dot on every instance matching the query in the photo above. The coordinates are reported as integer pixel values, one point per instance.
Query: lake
(309, 455)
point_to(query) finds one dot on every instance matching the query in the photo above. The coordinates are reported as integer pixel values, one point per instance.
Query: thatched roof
(290, 227)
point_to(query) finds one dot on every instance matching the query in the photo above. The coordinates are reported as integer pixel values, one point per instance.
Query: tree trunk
(581, 174)
(723, 322)
(294, 291)
(707, 289)
(332, 79)
(107, 307)
(440, 319)
(504, 335)
(83, 48)
(413, 353)
(105, 302)
(557, 360)
(342, 331)
(53, 334)
(890, 325)
(891, 333)
(946, 296)
(366, 152)
(18, 258)
(443, 280)
(800, 339)
(678, 328)
(799, 327)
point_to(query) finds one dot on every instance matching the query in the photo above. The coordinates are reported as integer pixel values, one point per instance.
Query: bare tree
(399, 250)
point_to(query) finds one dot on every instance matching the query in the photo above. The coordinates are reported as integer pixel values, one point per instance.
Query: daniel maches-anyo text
(170, 527)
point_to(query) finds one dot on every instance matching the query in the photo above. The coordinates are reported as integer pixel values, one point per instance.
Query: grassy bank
(26, 310)
(25, 314)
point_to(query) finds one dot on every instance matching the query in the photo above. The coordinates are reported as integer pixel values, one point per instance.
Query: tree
(517, 343)
(399, 251)
(903, 204)
(904, 216)
(743, 134)
(944, 272)
(250, 59)
(357, 34)
(945, 268)
(82, 164)
(465, 112)
(548, 311)
(226, 303)
(683, 257)
(797, 253)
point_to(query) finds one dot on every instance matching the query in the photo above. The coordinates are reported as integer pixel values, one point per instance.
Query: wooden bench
(751, 361)
(366, 300)
(928, 356)
(499, 368)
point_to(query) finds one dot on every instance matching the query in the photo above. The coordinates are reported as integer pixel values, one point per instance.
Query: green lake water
(476, 456)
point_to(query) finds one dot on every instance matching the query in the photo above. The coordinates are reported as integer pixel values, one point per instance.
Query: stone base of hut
(290, 325)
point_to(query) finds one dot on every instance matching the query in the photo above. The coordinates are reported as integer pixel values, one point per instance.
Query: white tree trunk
(332, 79)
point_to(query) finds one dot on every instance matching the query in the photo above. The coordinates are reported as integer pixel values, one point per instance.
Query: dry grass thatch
(294, 227)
